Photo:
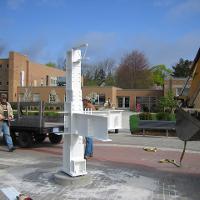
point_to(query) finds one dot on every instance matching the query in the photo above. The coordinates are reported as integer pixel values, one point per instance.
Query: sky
(44, 30)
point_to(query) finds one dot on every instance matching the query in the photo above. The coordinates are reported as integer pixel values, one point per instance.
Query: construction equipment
(187, 115)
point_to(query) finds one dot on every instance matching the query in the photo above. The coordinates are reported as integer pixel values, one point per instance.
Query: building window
(0, 83)
(42, 82)
(97, 99)
(35, 83)
(7, 82)
(22, 78)
(53, 81)
(47, 80)
(36, 97)
(179, 90)
(7, 65)
(123, 102)
(101, 99)
(147, 104)
(0, 65)
(61, 81)
(53, 98)
(120, 102)
(21, 97)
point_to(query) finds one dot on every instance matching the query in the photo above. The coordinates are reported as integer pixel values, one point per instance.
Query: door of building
(123, 102)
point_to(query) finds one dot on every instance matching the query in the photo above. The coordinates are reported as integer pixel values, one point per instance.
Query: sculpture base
(64, 179)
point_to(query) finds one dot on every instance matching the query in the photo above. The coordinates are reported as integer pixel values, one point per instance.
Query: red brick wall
(32, 71)
(3, 75)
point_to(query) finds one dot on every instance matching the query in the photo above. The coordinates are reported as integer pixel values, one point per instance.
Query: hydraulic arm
(187, 115)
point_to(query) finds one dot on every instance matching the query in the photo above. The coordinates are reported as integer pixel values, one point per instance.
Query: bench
(156, 125)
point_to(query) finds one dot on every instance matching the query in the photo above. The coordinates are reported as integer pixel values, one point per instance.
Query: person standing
(6, 114)
(108, 104)
(89, 141)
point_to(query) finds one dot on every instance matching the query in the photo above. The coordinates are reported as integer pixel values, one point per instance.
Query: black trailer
(31, 125)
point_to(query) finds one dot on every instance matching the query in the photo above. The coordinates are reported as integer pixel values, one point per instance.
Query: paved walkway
(128, 149)
(163, 142)
(120, 170)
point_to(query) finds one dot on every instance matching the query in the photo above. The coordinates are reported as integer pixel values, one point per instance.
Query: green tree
(168, 102)
(90, 82)
(88, 79)
(99, 73)
(182, 68)
(110, 80)
(99, 76)
(159, 72)
(51, 64)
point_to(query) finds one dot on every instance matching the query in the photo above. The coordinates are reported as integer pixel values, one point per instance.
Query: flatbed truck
(27, 130)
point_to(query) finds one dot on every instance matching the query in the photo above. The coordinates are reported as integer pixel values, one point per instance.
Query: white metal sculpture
(114, 117)
(78, 123)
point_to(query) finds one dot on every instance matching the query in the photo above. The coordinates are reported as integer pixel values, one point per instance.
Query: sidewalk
(127, 148)
(137, 157)
(162, 142)
(120, 170)
(129, 154)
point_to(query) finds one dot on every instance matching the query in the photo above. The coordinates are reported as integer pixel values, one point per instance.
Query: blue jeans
(89, 146)
(4, 127)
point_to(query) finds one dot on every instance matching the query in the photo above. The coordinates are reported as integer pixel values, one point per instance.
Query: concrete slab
(32, 172)
(10, 193)
(64, 179)
(2, 196)
(120, 170)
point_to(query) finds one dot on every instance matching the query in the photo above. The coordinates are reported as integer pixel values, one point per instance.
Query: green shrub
(145, 116)
(172, 117)
(134, 120)
(165, 116)
(32, 113)
(153, 116)
(51, 114)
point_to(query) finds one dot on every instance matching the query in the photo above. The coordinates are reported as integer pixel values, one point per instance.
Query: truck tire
(25, 139)
(116, 131)
(55, 139)
(39, 138)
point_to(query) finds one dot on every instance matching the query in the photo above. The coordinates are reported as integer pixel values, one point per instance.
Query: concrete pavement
(162, 142)
(120, 169)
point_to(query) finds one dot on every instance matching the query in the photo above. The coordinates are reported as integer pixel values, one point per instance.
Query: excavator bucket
(187, 126)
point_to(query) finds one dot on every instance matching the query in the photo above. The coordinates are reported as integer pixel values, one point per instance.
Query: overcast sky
(164, 30)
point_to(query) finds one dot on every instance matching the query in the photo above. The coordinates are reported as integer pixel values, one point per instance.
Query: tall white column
(74, 163)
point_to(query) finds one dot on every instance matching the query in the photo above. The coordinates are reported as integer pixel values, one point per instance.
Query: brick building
(125, 98)
(193, 86)
(176, 85)
(18, 71)
(24, 80)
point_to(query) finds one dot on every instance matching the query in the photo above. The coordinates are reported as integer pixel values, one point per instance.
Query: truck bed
(36, 124)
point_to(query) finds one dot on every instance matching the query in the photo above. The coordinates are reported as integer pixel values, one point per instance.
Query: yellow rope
(169, 161)
(154, 149)
(150, 149)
